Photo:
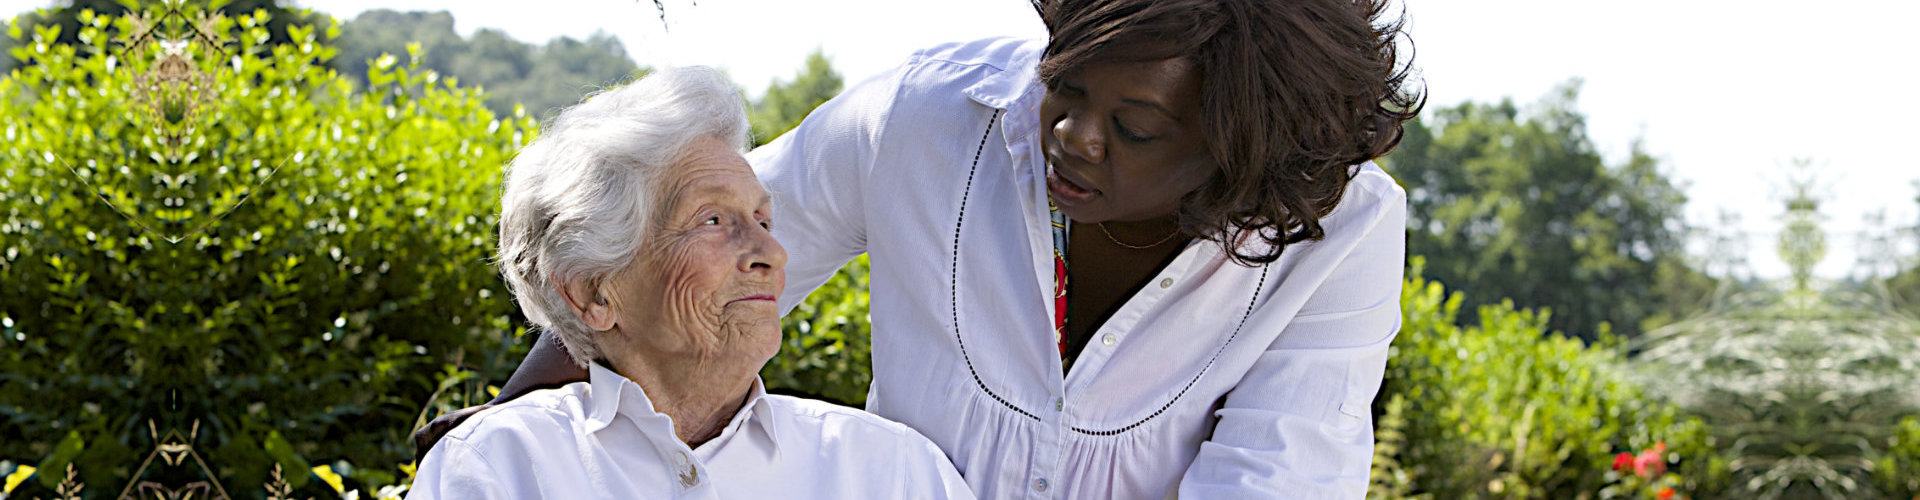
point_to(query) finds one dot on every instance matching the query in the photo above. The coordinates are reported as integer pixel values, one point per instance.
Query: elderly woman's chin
(754, 328)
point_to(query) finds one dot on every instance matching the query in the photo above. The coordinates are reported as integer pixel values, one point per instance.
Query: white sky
(1726, 93)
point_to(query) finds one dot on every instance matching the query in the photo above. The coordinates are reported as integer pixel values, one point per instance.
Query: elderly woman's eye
(711, 221)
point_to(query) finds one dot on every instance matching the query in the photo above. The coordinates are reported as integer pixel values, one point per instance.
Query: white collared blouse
(1215, 380)
(602, 439)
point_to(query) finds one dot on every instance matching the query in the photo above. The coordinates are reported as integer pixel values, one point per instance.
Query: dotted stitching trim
(954, 281)
(1203, 370)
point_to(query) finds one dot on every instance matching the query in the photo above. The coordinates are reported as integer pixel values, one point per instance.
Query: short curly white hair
(578, 200)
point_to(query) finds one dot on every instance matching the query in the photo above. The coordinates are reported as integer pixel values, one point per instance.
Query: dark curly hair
(1293, 94)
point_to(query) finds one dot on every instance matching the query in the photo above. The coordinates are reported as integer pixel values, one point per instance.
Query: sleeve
(453, 469)
(818, 174)
(1300, 424)
(930, 474)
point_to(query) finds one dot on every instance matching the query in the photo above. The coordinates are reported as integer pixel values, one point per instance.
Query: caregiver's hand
(547, 366)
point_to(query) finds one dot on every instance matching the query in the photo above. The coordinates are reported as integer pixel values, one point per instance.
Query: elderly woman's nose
(763, 252)
(1081, 138)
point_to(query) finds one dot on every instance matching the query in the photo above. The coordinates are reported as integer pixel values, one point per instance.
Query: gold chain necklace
(1116, 241)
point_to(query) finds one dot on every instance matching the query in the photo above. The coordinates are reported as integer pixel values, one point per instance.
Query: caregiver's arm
(1299, 424)
(818, 175)
(547, 365)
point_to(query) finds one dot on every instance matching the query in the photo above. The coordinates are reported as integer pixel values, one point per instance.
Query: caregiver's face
(707, 278)
(1124, 140)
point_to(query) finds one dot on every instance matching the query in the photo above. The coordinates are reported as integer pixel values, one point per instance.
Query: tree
(1506, 204)
(786, 103)
(1808, 382)
(565, 70)
(1905, 286)
(541, 77)
(6, 54)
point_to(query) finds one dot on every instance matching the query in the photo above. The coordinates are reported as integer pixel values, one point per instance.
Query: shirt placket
(1043, 479)
(1126, 321)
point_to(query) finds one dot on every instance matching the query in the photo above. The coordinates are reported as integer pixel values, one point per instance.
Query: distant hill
(541, 77)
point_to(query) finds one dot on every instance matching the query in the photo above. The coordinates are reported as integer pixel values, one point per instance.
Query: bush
(1898, 471)
(1501, 410)
(210, 235)
(826, 350)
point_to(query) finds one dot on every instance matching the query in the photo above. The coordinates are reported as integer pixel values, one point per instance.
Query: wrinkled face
(707, 277)
(1124, 141)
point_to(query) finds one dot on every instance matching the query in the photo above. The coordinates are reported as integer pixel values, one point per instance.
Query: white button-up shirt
(602, 439)
(1215, 381)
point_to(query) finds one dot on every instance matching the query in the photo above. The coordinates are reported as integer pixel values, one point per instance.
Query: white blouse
(1219, 380)
(602, 439)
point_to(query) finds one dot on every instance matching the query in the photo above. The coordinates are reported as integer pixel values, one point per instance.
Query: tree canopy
(1512, 202)
(543, 78)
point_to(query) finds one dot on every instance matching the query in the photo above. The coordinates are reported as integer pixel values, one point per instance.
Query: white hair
(579, 199)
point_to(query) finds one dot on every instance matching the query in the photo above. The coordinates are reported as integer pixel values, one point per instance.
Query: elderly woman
(634, 232)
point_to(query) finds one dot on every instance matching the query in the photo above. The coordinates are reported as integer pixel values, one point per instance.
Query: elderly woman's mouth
(769, 298)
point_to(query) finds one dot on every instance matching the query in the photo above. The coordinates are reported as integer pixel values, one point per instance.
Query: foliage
(826, 349)
(541, 77)
(1897, 472)
(1511, 205)
(786, 103)
(226, 238)
(6, 48)
(65, 13)
(1905, 285)
(1805, 380)
(1501, 410)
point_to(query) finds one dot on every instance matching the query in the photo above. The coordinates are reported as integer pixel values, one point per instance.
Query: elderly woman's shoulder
(530, 418)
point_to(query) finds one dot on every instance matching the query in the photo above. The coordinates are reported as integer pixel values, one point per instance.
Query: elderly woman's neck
(700, 400)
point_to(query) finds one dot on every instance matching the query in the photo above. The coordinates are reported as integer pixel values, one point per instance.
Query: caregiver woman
(1150, 256)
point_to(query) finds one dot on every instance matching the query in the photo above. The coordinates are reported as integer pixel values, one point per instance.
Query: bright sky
(1726, 93)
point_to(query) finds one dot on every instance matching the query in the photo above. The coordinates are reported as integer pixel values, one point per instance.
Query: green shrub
(826, 350)
(1898, 471)
(215, 236)
(1501, 410)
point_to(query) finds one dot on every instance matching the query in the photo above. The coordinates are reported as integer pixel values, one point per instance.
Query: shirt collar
(614, 393)
(1016, 83)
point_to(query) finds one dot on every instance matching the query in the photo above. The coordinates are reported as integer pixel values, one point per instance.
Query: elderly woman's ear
(589, 303)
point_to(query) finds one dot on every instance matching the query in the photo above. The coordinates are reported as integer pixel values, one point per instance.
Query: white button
(1166, 282)
(1109, 339)
(1040, 485)
(1059, 404)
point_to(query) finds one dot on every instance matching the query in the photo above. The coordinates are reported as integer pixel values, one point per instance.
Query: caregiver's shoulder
(996, 52)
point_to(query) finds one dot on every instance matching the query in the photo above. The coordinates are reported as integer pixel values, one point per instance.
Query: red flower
(1649, 464)
(1665, 493)
(1622, 461)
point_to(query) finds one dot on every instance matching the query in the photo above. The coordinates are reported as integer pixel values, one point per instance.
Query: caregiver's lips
(1066, 190)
